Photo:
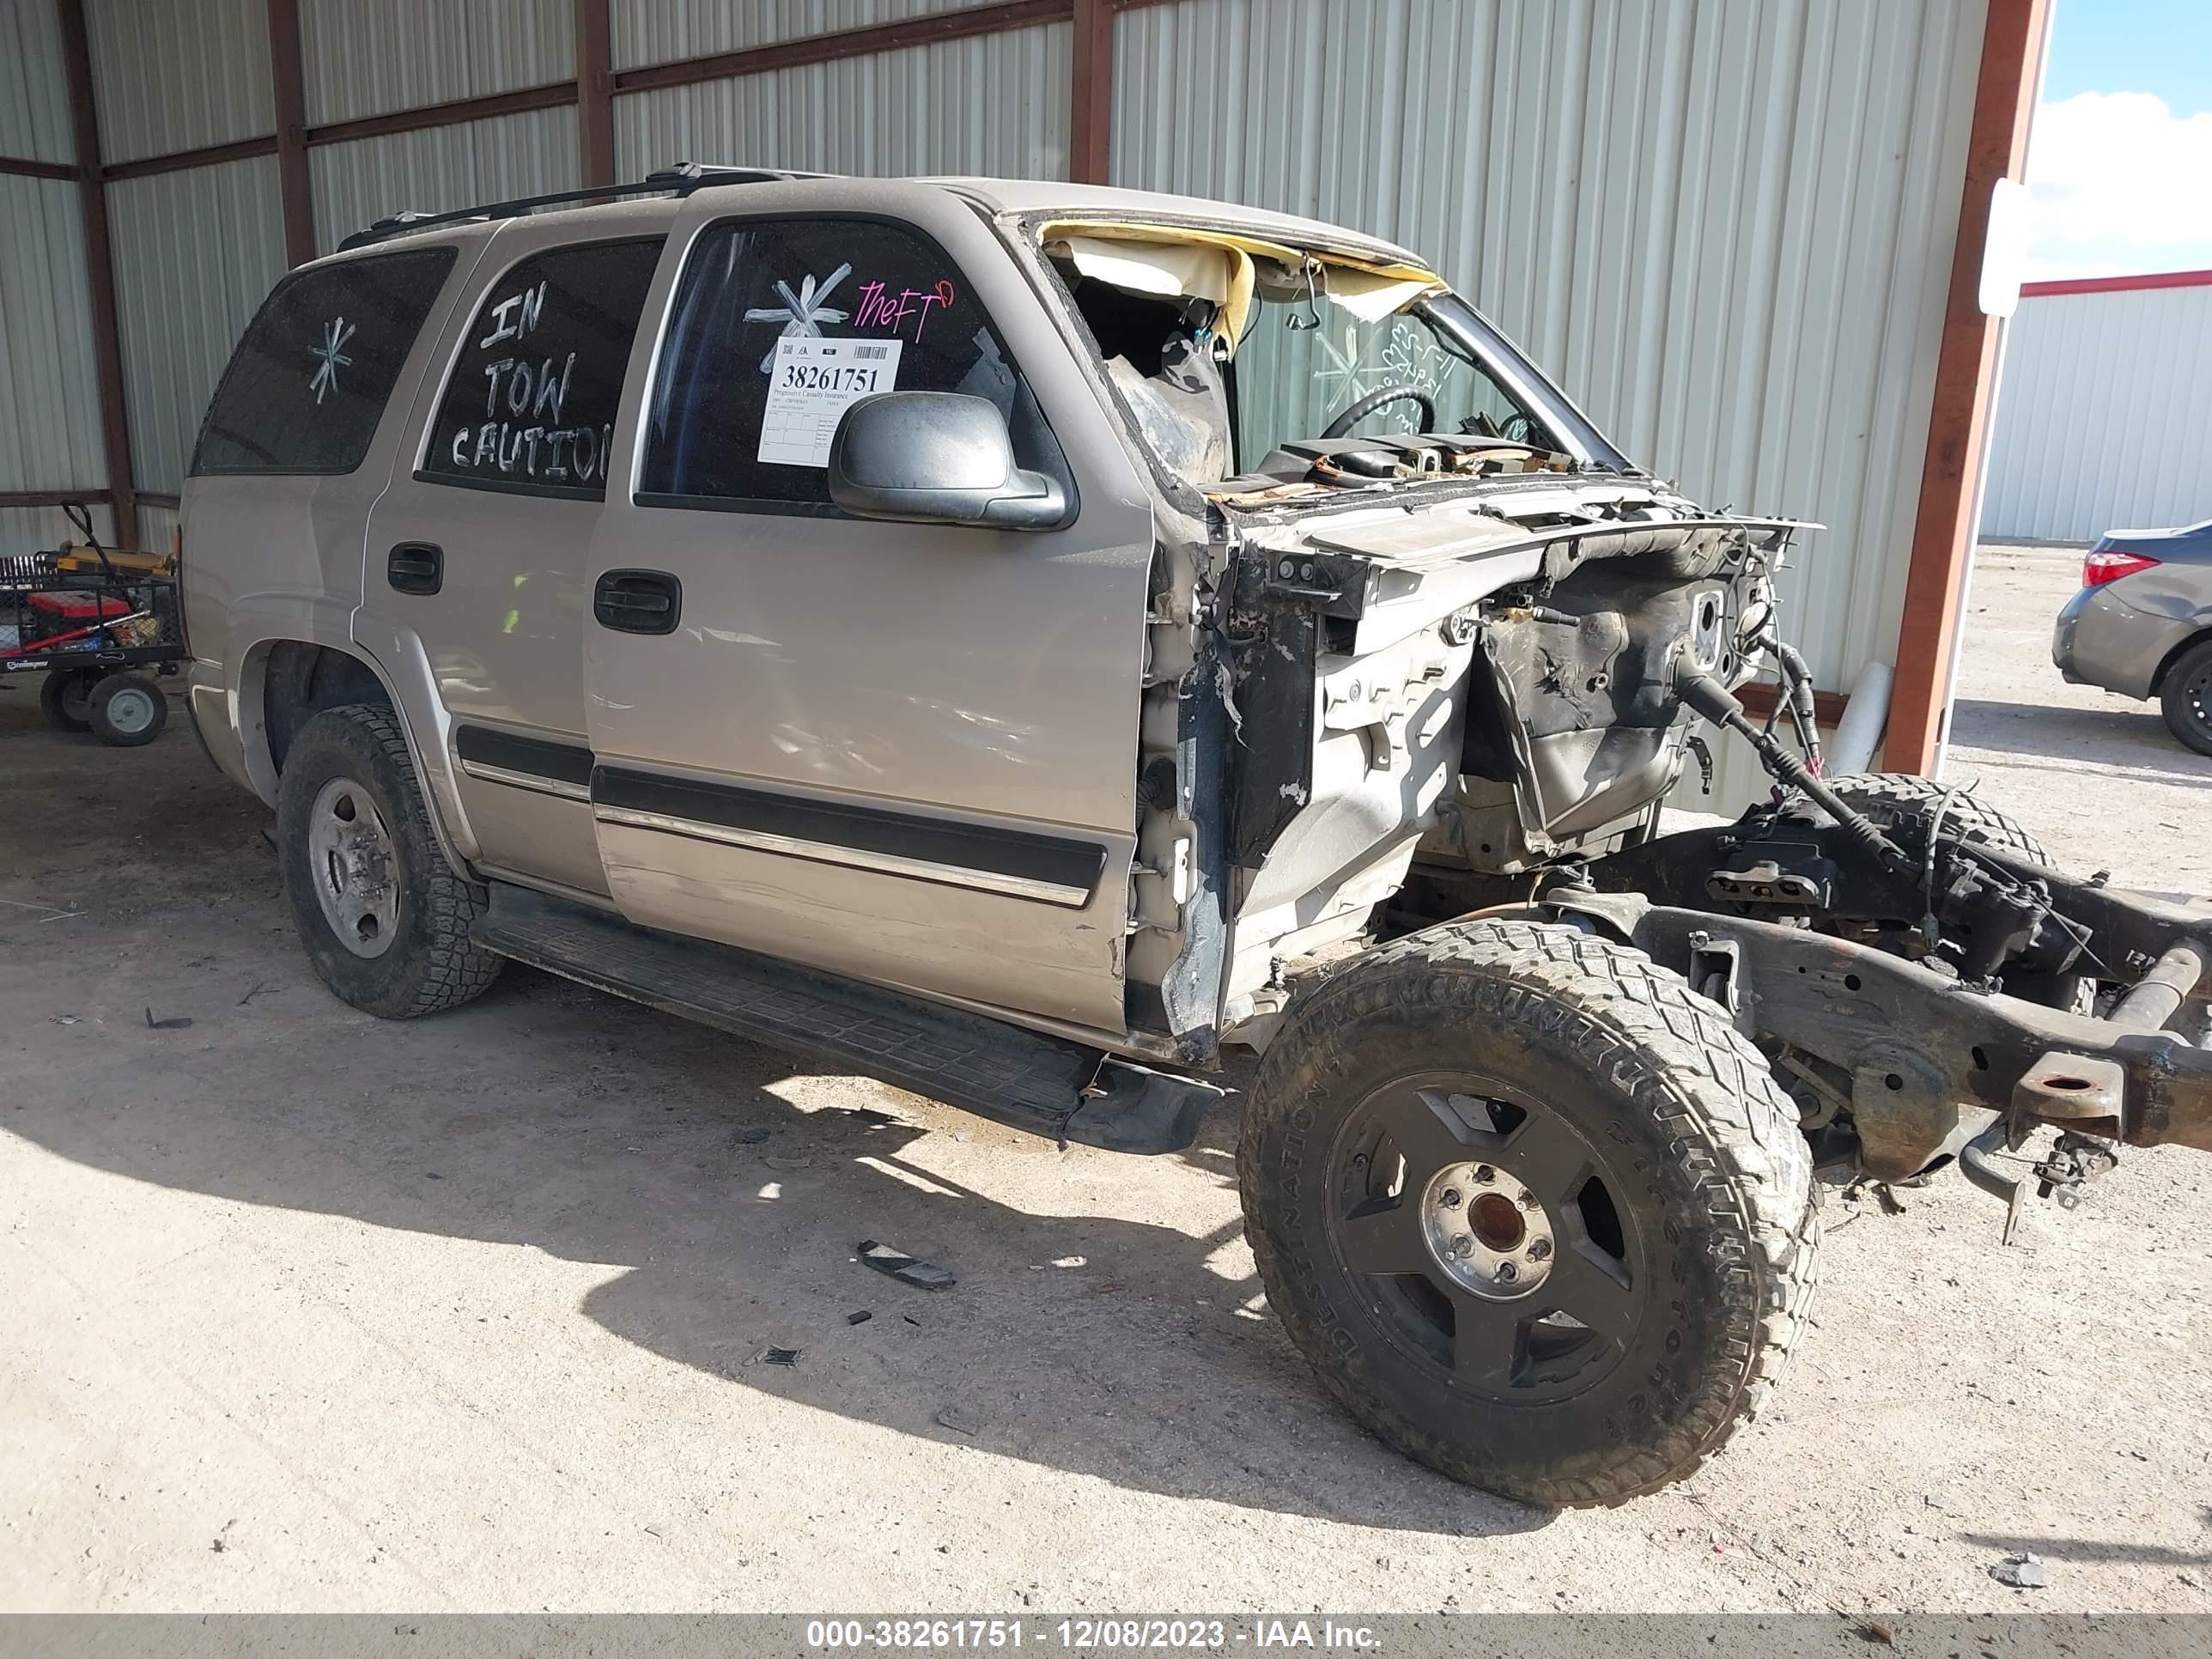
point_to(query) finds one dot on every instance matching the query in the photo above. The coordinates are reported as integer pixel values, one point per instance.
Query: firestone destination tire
(1537, 1214)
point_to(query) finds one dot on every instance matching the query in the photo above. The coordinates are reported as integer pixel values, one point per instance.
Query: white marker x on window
(331, 355)
(800, 313)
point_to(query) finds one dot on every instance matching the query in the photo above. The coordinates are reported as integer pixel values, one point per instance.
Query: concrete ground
(306, 1312)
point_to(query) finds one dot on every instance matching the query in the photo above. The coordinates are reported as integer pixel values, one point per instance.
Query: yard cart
(94, 627)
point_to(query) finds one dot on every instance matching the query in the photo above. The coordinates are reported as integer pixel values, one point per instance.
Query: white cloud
(2118, 184)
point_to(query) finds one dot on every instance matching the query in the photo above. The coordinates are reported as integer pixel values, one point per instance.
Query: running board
(1060, 1089)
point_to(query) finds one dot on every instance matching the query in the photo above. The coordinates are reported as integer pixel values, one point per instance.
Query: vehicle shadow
(726, 1185)
(1131, 1351)
(2088, 1549)
(2120, 739)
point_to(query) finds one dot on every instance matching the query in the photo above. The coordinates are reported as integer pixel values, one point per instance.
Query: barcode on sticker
(865, 352)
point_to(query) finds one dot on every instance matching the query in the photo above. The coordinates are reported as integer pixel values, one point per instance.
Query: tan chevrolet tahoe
(1025, 641)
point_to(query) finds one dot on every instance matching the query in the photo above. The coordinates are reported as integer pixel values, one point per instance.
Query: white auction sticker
(814, 381)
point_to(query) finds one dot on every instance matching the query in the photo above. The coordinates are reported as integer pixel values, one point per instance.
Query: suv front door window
(905, 751)
(777, 327)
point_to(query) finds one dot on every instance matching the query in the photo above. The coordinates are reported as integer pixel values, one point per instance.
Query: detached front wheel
(1537, 1214)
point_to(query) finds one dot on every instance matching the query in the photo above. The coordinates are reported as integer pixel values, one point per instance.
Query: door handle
(415, 567)
(638, 601)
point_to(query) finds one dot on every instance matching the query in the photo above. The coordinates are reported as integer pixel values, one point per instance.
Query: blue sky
(2119, 164)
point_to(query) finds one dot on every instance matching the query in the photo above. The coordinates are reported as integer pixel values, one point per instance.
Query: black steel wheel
(65, 698)
(1536, 1212)
(2185, 697)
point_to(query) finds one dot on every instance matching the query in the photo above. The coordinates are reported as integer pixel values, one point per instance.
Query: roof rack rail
(678, 180)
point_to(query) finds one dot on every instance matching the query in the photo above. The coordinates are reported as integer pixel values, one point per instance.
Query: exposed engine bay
(1395, 679)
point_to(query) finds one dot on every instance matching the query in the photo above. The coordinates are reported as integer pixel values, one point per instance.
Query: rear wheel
(1536, 1213)
(65, 698)
(1884, 798)
(384, 918)
(2185, 697)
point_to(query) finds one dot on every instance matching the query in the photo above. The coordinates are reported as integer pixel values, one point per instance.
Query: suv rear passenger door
(476, 552)
(903, 752)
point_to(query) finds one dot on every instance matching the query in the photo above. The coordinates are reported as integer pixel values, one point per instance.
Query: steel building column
(1090, 94)
(99, 270)
(595, 92)
(1942, 533)
(292, 182)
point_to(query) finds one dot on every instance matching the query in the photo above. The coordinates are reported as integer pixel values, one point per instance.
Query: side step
(1023, 1078)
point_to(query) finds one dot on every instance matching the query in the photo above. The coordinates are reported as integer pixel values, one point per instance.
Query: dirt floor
(310, 1311)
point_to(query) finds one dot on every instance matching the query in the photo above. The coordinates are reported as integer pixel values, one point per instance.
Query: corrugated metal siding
(34, 112)
(178, 74)
(1725, 225)
(196, 252)
(363, 60)
(440, 168)
(994, 103)
(50, 434)
(664, 31)
(2104, 416)
(42, 529)
(157, 527)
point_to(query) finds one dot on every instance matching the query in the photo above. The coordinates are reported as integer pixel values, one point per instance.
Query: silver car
(2142, 624)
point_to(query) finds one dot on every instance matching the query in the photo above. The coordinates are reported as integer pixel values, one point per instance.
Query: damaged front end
(1482, 684)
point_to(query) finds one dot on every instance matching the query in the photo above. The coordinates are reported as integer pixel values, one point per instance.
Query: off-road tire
(138, 692)
(2185, 697)
(65, 698)
(1690, 1124)
(432, 964)
(1883, 798)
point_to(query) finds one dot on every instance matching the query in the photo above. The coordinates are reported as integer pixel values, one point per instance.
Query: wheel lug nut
(1539, 1248)
(1449, 1198)
(1462, 1245)
(1529, 1202)
(1484, 1175)
(1507, 1272)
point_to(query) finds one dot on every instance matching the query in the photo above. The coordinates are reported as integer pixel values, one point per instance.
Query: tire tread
(1731, 1129)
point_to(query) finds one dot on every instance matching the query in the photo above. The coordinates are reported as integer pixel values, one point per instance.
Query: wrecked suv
(1030, 643)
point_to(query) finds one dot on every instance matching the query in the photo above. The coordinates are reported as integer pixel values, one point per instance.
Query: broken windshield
(1237, 357)
(1311, 367)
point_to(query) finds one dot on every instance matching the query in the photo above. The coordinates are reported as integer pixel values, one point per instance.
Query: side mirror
(937, 458)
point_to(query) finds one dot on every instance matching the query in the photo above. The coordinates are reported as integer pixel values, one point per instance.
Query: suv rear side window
(308, 383)
(778, 325)
(531, 404)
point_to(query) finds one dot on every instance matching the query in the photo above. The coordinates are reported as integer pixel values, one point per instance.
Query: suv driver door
(903, 752)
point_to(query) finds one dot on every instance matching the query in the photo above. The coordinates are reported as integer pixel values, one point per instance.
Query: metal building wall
(360, 59)
(994, 103)
(178, 74)
(2104, 416)
(50, 435)
(49, 409)
(34, 112)
(195, 252)
(1726, 225)
(667, 31)
(440, 168)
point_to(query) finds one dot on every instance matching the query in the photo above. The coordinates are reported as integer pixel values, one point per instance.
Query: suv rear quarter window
(530, 404)
(777, 325)
(309, 380)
